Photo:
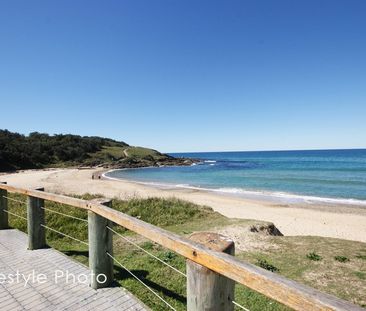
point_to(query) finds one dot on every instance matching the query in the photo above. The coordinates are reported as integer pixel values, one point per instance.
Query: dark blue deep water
(308, 175)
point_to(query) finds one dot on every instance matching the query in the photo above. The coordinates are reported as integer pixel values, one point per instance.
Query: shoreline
(278, 197)
(292, 219)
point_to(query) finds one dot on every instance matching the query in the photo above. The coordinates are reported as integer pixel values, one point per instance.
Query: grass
(342, 279)
(286, 255)
(363, 257)
(361, 275)
(107, 154)
(113, 152)
(116, 153)
(164, 213)
(141, 152)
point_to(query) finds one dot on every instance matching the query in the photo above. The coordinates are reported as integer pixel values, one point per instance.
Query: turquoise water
(327, 175)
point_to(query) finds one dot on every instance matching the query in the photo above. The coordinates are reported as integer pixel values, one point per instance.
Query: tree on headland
(39, 150)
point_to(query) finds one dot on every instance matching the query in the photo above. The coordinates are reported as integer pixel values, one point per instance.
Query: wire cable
(150, 254)
(16, 215)
(66, 215)
(240, 306)
(66, 235)
(14, 200)
(138, 279)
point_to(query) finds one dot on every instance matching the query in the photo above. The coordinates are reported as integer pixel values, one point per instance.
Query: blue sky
(187, 75)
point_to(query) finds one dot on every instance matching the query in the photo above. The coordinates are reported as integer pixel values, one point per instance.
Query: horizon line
(273, 150)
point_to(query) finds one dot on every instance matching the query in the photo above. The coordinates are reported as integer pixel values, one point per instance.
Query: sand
(336, 221)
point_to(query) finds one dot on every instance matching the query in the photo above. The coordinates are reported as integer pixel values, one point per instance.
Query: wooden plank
(288, 292)
(48, 196)
(65, 294)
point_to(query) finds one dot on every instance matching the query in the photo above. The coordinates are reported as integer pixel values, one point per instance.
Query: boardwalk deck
(51, 295)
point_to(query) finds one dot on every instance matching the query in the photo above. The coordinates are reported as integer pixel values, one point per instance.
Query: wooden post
(206, 289)
(36, 218)
(4, 221)
(100, 242)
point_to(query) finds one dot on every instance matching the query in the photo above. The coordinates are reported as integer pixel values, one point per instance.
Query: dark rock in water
(267, 229)
(149, 161)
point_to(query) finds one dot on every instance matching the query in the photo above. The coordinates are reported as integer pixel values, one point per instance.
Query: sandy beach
(336, 221)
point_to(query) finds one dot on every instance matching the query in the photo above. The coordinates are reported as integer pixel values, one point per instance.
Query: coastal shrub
(266, 265)
(363, 257)
(341, 258)
(314, 256)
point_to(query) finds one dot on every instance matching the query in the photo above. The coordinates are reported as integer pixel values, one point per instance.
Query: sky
(187, 75)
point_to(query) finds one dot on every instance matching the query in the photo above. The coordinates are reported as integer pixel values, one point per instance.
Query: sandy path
(329, 221)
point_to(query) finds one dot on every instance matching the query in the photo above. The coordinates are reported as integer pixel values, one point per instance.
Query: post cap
(103, 201)
(214, 241)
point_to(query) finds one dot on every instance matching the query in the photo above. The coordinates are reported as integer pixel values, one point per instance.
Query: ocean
(332, 176)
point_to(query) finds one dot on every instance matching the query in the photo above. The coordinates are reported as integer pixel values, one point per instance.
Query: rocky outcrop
(147, 161)
(267, 229)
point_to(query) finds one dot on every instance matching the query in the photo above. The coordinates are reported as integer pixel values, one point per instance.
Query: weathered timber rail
(221, 264)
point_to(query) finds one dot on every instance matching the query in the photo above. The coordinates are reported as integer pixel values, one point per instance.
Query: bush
(266, 265)
(341, 258)
(314, 256)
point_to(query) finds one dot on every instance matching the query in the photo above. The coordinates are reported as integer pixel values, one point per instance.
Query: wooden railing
(217, 262)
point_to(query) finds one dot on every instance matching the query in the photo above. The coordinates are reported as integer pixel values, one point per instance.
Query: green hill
(38, 150)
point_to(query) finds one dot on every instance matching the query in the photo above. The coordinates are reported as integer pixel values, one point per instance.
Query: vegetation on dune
(343, 277)
(263, 263)
(284, 255)
(313, 256)
(163, 212)
(341, 258)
